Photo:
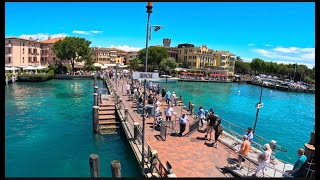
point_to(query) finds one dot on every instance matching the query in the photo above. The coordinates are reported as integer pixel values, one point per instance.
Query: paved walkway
(189, 156)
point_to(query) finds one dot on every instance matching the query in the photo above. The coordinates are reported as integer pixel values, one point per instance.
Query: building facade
(130, 56)
(108, 55)
(47, 55)
(22, 52)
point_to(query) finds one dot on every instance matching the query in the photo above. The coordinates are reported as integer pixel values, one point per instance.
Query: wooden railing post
(126, 114)
(95, 99)
(154, 161)
(120, 102)
(95, 119)
(135, 131)
(116, 169)
(94, 165)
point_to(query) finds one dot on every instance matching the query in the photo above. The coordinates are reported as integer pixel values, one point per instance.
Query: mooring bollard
(135, 131)
(95, 99)
(192, 109)
(116, 168)
(95, 119)
(94, 165)
(95, 90)
(126, 114)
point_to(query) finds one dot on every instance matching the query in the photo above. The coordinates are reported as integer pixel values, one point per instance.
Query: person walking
(249, 134)
(263, 159)
(169, 111)
(163, 91)
(183, 122)
(217, 132)
(168, 96)
(211, 122)
(128, 89)
(201, 114)
(243, 151)
(173, 98)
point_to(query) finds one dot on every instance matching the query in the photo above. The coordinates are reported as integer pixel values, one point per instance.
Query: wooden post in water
(126, 114)
(94, 165)
(135, 131)
(116, 169)
(95, 99)
(95, 119)
(192, 109)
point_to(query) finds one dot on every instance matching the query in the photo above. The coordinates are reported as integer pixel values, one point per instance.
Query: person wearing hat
(243, 151)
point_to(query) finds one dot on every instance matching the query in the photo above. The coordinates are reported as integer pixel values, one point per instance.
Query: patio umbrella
(39, 67)
(104, 67)
(97, 65)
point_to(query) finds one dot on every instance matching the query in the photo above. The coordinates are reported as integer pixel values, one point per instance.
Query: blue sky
(279, 32)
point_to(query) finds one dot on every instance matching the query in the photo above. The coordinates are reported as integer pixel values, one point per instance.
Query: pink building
(22, 52)
(47, 54)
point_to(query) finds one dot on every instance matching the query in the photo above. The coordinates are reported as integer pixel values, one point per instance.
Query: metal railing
(249, 167)
(238, 132)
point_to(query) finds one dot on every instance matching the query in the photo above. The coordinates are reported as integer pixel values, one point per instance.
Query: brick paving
(189, 155)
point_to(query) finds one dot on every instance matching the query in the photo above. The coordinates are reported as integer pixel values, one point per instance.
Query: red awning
(200, 74)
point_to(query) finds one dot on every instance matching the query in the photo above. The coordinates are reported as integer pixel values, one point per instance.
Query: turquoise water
(48, 132)
(286, 117)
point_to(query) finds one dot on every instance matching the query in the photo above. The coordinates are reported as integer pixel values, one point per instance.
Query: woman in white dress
(264, 160)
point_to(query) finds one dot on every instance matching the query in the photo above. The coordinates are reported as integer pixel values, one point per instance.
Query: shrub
(36, 77)
(8, 74)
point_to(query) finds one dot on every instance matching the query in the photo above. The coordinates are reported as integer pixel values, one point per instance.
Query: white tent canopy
(104, 67)
(29, 68)
(40, 67)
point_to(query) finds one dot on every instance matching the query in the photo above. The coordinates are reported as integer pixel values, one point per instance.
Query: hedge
(36, 77)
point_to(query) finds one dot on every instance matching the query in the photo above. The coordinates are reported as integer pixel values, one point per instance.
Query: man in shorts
(243, 151)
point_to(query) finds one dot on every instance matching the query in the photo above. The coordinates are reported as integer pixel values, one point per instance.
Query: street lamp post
(149, 11)
(259, 105)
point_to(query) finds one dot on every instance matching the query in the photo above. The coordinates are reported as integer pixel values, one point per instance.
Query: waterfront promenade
(189, 155)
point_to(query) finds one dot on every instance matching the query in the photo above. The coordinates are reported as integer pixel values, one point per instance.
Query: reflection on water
(52, 121)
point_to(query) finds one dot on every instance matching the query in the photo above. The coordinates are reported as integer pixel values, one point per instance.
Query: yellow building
(201, 57)
(108, 55)
(195, 57)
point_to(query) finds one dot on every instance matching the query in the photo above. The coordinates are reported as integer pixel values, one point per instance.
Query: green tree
(242, 67)
(169, 63)
(256, 65)
(134, 63)
(72, 49)
(155, 55)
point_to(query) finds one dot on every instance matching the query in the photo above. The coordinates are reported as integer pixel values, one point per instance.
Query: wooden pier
(192, 151)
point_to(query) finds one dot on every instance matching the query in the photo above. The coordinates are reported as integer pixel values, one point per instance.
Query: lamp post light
(258, 106)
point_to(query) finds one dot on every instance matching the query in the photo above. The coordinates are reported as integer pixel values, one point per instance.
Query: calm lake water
(48, 132)
(287, 117)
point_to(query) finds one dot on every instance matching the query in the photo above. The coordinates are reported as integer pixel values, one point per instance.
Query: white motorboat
(164, 78)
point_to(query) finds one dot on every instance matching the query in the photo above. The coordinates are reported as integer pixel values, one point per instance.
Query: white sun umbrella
(97, 65)
(104, 67)
(39, 67)
(7, 68)
(29, 68)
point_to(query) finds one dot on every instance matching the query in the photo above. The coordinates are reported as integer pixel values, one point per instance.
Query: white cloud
(251, 44)
(96, 32)
(309, 65)
(41, 36)
(86, 32)
(290, 54)
(80, 32)
(268, 45)
(246, 59)
(126, 48)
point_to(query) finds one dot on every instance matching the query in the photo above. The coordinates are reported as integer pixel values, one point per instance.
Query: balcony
(8, 45)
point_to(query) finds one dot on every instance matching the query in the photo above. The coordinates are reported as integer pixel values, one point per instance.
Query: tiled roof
(52, 40)
(12, 37)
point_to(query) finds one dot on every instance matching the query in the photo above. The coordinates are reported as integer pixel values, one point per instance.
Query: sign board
(145, 75)
(259, 105)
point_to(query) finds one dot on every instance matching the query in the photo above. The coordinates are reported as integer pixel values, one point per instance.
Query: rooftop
(52, 40)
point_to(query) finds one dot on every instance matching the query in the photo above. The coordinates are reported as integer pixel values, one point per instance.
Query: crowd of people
(134, 89)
